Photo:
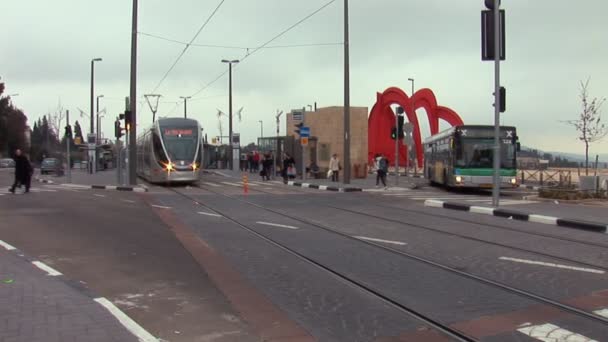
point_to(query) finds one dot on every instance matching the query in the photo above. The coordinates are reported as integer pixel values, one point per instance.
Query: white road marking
(128, 201)
(98, 195)
(160, 206)
(2, 194)
(212, 184)
(209, 214)
(232, 184)
(602, 312)
(268, 188)
(126, 321)
(552, 333)
(322, 187)
(441, 198)
(7, 246)
(51, 271)
(381, 240)
(277, 225)
(548, 264)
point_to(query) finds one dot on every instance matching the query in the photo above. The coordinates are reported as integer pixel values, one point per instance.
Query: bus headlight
(514, 181)
(458, 179)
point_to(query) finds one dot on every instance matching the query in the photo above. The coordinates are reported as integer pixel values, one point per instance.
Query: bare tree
(589, 124)
(56, 118)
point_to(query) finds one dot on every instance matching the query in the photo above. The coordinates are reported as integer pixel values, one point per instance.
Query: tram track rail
(445, 329)
(496, 284)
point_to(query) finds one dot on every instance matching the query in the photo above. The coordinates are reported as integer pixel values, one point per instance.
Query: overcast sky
(551, 46)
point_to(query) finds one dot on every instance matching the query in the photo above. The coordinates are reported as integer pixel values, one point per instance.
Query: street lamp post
(230, 62)
(261, 128)
(98, 129)
(92, 130)
(185, 105)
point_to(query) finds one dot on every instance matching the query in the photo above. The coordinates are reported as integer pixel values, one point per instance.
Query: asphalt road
(291, 264)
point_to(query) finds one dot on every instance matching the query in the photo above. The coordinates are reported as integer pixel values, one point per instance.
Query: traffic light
(394, 133)
(400, 122)
(68, 132)
(298, 126)
(117, 129)
(503, 99)
(128, 118)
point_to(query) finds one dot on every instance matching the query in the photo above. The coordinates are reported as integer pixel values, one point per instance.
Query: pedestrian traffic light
(400, 122)
(394, 133)
(298, 127)
(117, 129)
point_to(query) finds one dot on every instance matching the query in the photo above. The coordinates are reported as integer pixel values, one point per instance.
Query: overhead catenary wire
(188, 45)
(249, 54)
(237, 47)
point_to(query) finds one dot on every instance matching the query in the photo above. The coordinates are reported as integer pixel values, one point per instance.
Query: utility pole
(185, 105)
(277, 157)
(230, 62)
(261, 128)
(346, 98)
(68, 142)
(97, 113)
(132, 171)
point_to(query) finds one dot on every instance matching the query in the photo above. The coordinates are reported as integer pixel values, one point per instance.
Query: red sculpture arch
(382, 120)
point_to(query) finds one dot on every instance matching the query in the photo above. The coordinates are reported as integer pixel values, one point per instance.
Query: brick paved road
(37, 307)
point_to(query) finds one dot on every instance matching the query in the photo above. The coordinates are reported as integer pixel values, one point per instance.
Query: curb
(98, 187)
(521, 216)
(323, 187)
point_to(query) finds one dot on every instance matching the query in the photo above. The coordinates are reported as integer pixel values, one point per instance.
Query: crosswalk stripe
(212, 184)
(232, 184)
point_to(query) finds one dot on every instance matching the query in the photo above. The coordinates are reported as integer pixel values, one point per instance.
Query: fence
(547, 177)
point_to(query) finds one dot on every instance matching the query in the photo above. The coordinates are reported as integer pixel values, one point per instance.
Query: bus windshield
(479, 153)
(180, 143)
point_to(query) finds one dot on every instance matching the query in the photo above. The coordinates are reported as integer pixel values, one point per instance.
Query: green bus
(462, 156)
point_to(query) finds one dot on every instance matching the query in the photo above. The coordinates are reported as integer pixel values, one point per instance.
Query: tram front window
(180, 143)
(479, 153)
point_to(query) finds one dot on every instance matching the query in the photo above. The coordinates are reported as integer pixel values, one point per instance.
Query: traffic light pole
(68, 142)
(497, 155)
(397, 148)
(132, 132)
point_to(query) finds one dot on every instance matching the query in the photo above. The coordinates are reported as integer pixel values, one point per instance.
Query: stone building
(327, 136)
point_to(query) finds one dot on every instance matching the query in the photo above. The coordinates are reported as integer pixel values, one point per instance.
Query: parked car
(6, 163)
(51, 165)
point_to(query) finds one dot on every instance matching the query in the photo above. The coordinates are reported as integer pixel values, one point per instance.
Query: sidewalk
(38, 305)
(107, 179)
(356, 184)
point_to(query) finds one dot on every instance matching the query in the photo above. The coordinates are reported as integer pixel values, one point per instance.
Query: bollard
(245, 184)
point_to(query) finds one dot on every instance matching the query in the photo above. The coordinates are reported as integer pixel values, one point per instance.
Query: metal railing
(547, 177)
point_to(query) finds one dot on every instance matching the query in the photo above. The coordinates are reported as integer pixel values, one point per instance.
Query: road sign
(304, 141)
(305, 132)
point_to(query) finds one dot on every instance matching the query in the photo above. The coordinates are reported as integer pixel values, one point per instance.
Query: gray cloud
(551, 46)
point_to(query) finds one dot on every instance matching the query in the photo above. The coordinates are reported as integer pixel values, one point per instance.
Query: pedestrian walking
(250, 162)
(334, 167)
(382, 170)
(256, 161)
(23, 172)
(267, 166)
(289, 168)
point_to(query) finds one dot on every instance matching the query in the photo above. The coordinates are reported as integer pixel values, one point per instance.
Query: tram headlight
(169, 167)
(458, 179)
(194, 167)
(514, 181)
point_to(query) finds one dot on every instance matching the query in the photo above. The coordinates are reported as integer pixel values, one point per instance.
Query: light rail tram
(170, 152)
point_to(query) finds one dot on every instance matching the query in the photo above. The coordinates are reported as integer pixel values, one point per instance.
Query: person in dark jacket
(23, 172)
(288, 162)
